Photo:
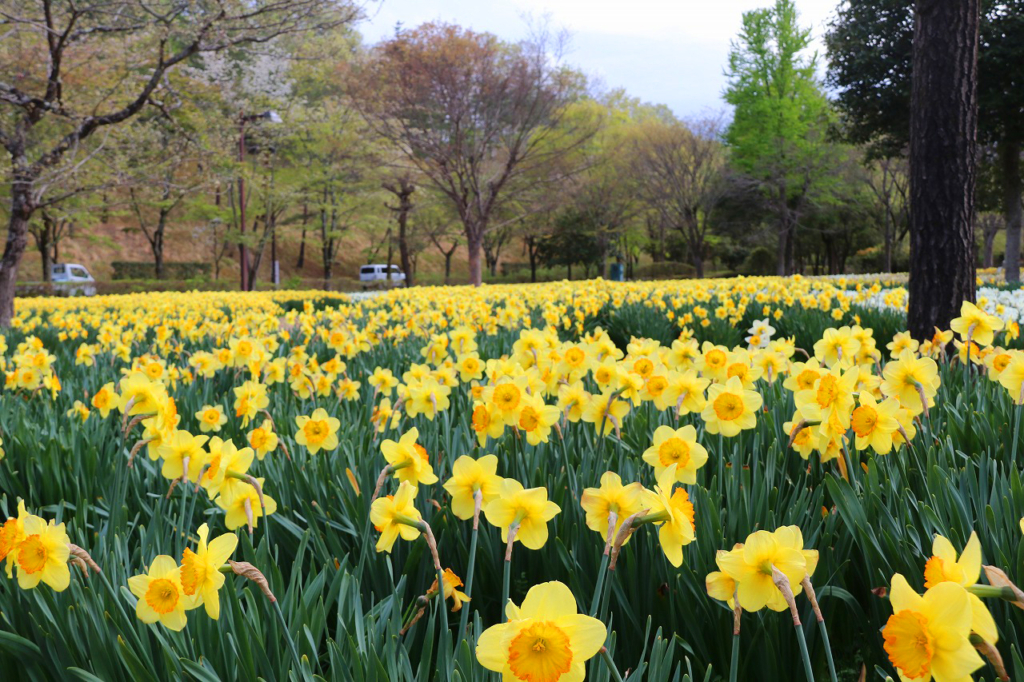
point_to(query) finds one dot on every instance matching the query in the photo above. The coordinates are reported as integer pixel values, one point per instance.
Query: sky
(669, 52)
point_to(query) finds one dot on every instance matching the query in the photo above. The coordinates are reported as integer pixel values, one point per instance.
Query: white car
(377, 274)
(72, 279)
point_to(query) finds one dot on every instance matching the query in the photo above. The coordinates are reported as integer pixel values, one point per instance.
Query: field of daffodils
(744, 479)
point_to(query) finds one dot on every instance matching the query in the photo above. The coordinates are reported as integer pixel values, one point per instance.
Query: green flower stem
(611, 665)
(506, 574)
(464, 618)
(734, 663)
(828, 651)
(782, 584)
(992, 592)
(737, 614)
(813, 598)
(803, 651)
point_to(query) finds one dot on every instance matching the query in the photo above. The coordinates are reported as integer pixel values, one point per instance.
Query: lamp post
(243, 253)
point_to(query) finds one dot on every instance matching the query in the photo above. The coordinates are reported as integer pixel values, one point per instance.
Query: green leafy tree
(777, 135)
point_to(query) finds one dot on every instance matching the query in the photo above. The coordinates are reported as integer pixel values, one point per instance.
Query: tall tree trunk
(1009, 152)
(532, 251)
(698, 264)
(405, 207)
(888, 229)
(157, 245)
(988, 256)
(448, 265)
(17, 240)
(943, 145)
(474, 244)
(46, 247)
(780, 259)
(302, 242)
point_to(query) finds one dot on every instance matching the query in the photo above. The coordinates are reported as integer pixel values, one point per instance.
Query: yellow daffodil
(1012, 378)
(606, 412)
(536, 419)
(679, 447)
(469, 476)
(975, 324)
(544, 640)
(529, 508)
(750, 566)
(927, 638)
(674, 511)
(945, 566)
(201, 578)
(612, 497)
(160, 594)
(409, 459)
(245, 505)
(486, 424)
(907, 377)
(182, 450)
(874, 423)
(42, 554)
(105, 399)
(262, 439)
(390, 514)
(318, 431)
(730, 408)
(211, 418)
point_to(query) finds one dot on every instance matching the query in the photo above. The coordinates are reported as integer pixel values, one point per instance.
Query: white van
(72, 279)
(377, 274)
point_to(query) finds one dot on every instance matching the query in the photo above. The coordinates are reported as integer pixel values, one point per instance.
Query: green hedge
(183, 270)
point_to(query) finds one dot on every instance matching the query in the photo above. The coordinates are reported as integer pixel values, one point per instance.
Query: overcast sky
(663, 51)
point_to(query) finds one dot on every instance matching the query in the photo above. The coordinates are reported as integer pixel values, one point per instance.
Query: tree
(160, 169)
(777, 134)
(50, 108)
(889, 183)
(943, 142)
(402, 187)
(870, 48)
(441, 229)
(680, 168)
(472, 114)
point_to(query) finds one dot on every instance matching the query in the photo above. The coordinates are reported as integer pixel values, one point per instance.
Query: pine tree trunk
(943, 145)
(1010, 157)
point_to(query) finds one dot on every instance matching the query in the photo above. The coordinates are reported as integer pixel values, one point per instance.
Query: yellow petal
(162, 565)
(902, 596)
(489, 651)
(943, 548)
(982, 621)
(221, 549)
(586, 635)
(970, 560)
(549, 601)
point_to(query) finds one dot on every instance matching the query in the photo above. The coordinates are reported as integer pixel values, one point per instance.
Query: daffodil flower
(201, 578)
(160, 594)
(544, 640)
(928, 638)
